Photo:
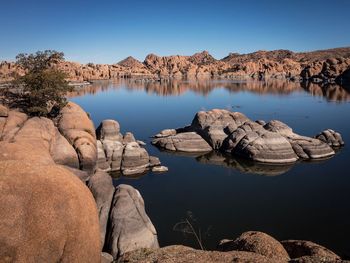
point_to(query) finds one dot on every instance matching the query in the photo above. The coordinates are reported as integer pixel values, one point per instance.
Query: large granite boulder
(183, 142)
(129, 227)
(42, 131)
(109, 130)
(260, 243)
(39, 140)
(252, 141)
(25, 151)
(4, 111)
(118, 153)
(135, 159)
(303, 249)
(304, 147)
(216, 124)
(183, 254)
(101, 187)
(76, 126)
(12, 124)
(46, 215)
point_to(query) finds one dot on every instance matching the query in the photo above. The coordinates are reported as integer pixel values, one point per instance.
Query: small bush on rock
(42, 88)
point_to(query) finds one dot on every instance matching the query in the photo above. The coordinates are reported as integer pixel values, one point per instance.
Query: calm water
(304, 201)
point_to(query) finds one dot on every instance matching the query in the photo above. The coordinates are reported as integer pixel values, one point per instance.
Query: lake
(226, 196)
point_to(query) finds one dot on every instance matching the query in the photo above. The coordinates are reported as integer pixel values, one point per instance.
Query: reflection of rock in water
(174, 87)
(331, 92)
(243, 165)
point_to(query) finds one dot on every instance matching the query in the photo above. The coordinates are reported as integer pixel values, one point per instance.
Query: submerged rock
(232, 132)
(160, 169)
(129, 226)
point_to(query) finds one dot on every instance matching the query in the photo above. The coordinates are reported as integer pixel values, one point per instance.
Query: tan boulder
(12, 124)
(183, 254)
(42, 131)
(78, 129)
(261, 243)
(25, 150)
(3, 111)
(301, 248)
(47, 215)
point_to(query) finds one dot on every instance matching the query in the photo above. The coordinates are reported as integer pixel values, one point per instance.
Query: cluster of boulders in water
(125, 154)
(234, 133)
(59, 204)
(319, 66)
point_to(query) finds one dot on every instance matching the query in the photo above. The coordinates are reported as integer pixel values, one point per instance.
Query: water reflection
(243, 165)
(173, 87)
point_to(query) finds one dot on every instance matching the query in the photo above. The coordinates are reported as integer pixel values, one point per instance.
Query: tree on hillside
(43, 88)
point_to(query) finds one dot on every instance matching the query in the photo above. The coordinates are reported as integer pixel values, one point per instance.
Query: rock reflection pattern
(331, 92)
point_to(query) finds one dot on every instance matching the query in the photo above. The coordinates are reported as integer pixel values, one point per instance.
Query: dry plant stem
(195, 234)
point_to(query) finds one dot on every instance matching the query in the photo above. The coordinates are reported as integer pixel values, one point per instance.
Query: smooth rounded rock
(261, 243)
(129, 226)
(46, 215)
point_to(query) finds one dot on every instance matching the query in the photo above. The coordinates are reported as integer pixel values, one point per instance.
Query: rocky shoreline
(59, 204)
(323, 66)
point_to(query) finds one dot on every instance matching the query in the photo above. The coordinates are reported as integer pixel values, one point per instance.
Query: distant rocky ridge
(328, 66)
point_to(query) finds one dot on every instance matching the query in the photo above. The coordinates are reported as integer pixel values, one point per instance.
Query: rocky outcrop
(183, 254)
(259, 243)
(129, 226)
(101, 187)
(249, 247)
(262, 244)
(344, 78)
(76, 126)
(71, 143)
(234, 133)
(303, 249)
(304, 147)
(47, 215)
(118, 153)
(183, 142)
(317, 66)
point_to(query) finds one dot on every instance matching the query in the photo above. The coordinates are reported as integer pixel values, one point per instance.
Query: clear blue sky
(108, 31)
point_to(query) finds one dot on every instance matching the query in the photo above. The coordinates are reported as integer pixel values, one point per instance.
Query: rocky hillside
(316, 66)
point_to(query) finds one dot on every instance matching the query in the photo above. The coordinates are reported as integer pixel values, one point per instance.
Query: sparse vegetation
(41, 91)
(189, 226)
